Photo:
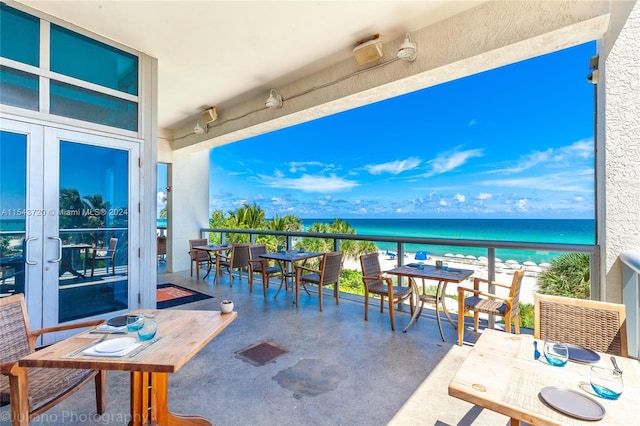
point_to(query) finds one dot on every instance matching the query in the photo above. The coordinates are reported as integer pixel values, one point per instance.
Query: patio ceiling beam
(490, 35)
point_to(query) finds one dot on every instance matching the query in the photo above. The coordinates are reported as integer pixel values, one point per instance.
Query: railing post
(491, 276)
(631, 299)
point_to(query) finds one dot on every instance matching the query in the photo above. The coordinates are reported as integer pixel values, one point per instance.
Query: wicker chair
(383, 287)
(328, 273)
(507, 307)
(198, 257)
(106, 254)
(599, 326)
(262, 267)
(35, 390)
(239, 259)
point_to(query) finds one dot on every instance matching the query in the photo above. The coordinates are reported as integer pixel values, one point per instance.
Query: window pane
(80, 57)
(75, 102)
(18, 88)
(19, 36)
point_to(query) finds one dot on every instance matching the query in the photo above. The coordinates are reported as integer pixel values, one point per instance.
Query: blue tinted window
(89, 60)
(19, 36)
(82, 104)
(18, 88)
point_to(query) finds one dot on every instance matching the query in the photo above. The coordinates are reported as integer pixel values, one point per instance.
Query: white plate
(115, 345)
(572, 403)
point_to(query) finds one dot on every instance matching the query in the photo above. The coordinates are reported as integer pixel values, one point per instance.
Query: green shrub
(567, 276)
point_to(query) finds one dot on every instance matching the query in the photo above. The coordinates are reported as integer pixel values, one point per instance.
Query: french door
(69, 215)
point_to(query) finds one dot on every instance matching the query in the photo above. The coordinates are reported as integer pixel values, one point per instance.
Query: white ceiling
(218, 53)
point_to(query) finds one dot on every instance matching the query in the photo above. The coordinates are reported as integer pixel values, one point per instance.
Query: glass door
(69, 246)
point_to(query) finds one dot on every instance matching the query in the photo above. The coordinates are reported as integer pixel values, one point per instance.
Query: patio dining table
(181, 335)
(501, 374)
(285, 260)
(431, 272)
(211, 251)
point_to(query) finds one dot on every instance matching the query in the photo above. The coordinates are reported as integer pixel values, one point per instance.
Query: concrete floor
(382, 377)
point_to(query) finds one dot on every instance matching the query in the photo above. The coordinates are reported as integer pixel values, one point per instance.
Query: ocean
(567, 231)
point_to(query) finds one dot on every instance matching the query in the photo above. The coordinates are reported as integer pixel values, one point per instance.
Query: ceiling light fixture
(274, 100)
(368, 50)
(210, 115)
(408, 50)
(198, 129)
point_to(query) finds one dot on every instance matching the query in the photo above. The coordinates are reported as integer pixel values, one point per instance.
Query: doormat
(170, 295)
(261, 353)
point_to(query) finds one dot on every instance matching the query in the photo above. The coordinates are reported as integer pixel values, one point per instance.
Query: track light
(408, 50)
(274, 100)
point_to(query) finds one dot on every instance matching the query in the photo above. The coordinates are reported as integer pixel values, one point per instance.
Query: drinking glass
(134, 322)
(148, 330)
(557, 354)
(606, 382)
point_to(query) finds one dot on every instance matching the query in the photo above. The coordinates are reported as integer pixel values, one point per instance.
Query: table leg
(285, 276)
(208, 266)
(150, 402)
(416, 310)
(444, 306)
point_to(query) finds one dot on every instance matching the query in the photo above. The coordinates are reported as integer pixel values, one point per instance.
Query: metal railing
(401, 241)
(631, 298)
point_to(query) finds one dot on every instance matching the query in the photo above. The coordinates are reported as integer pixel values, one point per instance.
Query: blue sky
(514, 142)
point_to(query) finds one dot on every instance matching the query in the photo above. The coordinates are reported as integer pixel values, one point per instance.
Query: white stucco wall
(619, 225)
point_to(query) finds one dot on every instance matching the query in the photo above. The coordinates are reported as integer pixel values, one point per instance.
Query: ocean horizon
(563, 231)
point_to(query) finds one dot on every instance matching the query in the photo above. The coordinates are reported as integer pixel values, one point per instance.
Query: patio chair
(239, 259)
(599, 326)
(382, 286)
(198, 257)
(32, 391)
(106, 254)
(262, 267)
(492, 304)
(327, 273)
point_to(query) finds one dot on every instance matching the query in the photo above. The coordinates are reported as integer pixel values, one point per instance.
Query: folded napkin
(92, 352)
(110, 328)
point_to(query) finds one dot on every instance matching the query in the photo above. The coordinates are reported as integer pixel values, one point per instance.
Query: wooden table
(430, 272)
(211, 249)
(182, 335)
(500, 374)
(285, 260)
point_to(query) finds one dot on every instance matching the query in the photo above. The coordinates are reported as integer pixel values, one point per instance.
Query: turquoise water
(567, 231)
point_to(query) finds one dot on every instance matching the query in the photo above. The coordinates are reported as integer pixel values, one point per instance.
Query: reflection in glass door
(13, 212)
(93, 227)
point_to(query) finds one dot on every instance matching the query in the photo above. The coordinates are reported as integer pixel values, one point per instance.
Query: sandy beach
(504, 272)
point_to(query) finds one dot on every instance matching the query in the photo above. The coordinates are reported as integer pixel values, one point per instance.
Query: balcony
(353, 372)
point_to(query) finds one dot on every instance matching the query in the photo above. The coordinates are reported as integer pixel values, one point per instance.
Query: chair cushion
(383, 289)
(272, 270)
(46, 384)
(312, 278)
(486, 306)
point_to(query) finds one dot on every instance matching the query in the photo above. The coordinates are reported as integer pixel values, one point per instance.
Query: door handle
(26, 252)
(59, 250)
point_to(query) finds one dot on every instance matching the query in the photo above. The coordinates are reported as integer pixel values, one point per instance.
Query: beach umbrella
(544, 265)
(460, 256)
(529, 263)
(421, 255)
(470, 257)
(482, 258)
(498, 260)
(511, 261)
(448, 255)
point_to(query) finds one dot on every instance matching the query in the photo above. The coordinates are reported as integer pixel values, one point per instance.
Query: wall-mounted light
(274, 100)
(368, 50)
(408, 50)
(198, 129)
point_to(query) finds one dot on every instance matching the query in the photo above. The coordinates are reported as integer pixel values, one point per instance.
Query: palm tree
(568, 276)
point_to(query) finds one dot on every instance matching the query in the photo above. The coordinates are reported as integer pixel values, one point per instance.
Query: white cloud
(576, 181)
(578, 199)
(484, 196)
(459, 198)
(451, 160)
(307, 183)
(551, 157)
(443, 203)
(522, 205)
(394, 167)
(301, 166)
